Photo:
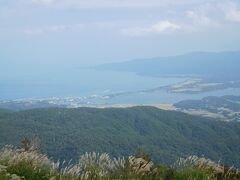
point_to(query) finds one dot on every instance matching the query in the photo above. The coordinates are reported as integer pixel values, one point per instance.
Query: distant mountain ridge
(210, 65)
(166, 135)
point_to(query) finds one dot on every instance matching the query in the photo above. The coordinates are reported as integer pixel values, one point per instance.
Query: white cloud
(159, 27)
(232, 12)
(163, 26)
(199, 18)
(191, 16)
(113, 3)
(44, 2)
(215, 13)
(205, 15)
(233, 15)
(52, 29)
(71, 28)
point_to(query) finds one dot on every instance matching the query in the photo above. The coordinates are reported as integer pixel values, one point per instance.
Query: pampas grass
(29, 164)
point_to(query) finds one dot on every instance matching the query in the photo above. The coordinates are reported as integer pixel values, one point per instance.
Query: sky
(45, 43)
(40, 33)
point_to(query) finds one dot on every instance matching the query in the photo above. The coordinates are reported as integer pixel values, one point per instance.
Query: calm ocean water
(86, 82)
(76, 82)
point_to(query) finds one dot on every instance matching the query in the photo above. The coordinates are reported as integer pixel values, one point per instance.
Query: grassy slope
(166, 135)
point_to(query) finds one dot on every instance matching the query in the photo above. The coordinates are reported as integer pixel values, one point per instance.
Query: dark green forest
(164, 135)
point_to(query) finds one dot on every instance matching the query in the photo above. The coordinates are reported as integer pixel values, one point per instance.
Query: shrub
(29, 164)
(194, 174)
(163, 172)
(26, 170)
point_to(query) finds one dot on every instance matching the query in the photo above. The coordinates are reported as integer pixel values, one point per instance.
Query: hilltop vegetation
(27, 163)
(165, 135)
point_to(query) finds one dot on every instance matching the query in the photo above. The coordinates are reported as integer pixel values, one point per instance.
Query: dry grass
(30, 164)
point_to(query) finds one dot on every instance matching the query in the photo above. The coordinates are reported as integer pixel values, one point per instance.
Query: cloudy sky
(83, 32)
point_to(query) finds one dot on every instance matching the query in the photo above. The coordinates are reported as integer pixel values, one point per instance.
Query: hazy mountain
(210, 65)
(166, 135)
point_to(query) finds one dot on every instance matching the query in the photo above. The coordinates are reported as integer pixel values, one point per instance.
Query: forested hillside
(225, 108)
(165, 135)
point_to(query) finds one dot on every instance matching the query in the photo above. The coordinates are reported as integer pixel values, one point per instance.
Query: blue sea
(79, 82)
